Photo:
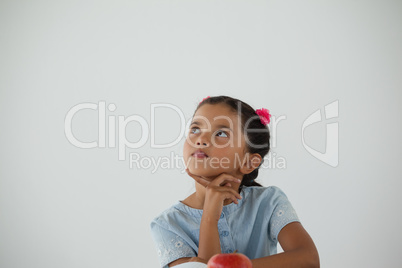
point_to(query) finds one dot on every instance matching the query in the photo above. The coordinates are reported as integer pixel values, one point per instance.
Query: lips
(199, 154)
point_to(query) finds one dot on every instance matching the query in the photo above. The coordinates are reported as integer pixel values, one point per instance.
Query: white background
(62, 206)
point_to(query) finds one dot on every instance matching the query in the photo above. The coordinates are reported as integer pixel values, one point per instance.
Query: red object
(229, 260)
(264, 115)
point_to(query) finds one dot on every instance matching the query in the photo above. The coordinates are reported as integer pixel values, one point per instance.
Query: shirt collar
(226, 209)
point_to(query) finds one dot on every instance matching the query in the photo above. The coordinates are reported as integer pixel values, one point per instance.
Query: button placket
(227, 245)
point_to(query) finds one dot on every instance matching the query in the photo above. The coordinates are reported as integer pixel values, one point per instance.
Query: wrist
(209, 218)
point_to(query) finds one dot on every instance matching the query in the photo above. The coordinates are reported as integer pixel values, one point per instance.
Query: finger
(198, 179)
(233, 192)
(224, 177)
(231, 197)
(228, 184)
(228, 192)
(234, 200)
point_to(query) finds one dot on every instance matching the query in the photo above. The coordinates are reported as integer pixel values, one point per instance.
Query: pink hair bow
(264, 115)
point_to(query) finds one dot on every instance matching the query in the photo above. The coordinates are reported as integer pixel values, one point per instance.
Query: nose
(202, 140)
(203, 143)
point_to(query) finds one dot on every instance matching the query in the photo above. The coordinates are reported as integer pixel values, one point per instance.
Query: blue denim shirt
(251, 227)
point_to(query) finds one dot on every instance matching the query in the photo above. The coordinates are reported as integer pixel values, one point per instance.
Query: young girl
(229, 211)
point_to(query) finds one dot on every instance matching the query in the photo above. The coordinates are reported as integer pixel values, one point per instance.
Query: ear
(250, 162)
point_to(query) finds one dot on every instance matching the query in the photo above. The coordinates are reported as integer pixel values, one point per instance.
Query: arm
(217, 192)
(209, 243)
(299, 250)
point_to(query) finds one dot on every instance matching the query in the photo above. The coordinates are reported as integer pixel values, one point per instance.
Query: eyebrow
(218, 126)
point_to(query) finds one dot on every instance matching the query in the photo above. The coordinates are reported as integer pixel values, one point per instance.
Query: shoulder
(164, 218)
(272, 200)
(174, 218)
(271, 206)
(171, 238)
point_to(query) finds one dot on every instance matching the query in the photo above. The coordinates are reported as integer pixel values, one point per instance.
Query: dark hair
(258, 141)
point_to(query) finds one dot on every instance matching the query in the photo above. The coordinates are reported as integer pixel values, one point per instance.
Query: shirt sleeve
(169, 245)
(282, 214)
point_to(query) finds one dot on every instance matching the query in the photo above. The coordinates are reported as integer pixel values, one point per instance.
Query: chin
(200, 171)
(205, 172)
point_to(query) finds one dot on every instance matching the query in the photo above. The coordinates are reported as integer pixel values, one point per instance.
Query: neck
(198, 198)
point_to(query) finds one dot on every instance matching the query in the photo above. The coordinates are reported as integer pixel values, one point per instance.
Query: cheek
(231, 143)
(186, 148)
(231, 155)
(222, 142)
(189, 141)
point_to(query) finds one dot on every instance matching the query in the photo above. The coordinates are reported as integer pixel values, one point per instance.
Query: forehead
(216, 114)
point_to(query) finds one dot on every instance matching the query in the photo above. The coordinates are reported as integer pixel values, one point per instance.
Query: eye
(193, 129)
(224, 133)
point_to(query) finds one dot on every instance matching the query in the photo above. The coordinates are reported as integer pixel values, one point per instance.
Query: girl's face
(215, 130)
